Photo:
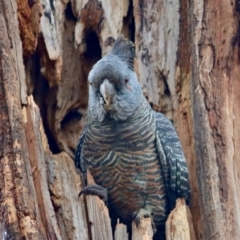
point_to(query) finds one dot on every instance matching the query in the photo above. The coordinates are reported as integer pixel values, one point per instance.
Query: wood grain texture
(18, 196)
(64, 184)
(37, 159)
(179, 223)
(56, 182)
(98, 216)
(50, 26)
(12, 47)
(183, 116)
(156, 40)
(26, 207)
(120, 232)
(215, 66)
(29, 14)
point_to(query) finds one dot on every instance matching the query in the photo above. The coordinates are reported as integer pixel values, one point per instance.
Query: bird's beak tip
(107, 91)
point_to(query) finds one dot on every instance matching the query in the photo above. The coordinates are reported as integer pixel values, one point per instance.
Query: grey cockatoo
(133, 152)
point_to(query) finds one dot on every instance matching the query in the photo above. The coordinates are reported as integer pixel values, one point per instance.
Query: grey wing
(172, 160)
(79, 162)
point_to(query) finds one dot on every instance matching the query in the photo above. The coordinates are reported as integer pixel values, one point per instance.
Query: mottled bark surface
(215, 95)
(18, 202)
(179, 223)
(188, 66)
(26, 208)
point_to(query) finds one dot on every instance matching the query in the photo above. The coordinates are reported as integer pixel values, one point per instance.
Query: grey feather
(172, 160)
(78, 153)
(124, 49)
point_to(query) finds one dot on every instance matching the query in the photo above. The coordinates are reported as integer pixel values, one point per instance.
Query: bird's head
(114, 90)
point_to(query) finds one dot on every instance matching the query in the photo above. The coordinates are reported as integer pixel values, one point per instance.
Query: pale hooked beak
(107, 91)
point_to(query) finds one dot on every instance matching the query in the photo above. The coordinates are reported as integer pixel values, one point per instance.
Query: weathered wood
(120, 232)
(216, 114)
(26, 207)
(183, 120)
(37, 158)
(50, 24)
(98, 216)
(156, 49)
(29, 14)
(107, 20)
(12, 48)
(64, 185)
(56, 180)
(67, 78)
(179, 223)
(18, 201)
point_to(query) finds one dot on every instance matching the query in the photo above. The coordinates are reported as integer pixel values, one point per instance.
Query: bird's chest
(123, 159)
(121, 153)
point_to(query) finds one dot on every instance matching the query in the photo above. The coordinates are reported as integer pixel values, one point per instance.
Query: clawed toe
(143, 213)
(95, 189)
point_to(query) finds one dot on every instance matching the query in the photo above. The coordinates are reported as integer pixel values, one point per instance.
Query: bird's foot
(144, 213)
(95, 189)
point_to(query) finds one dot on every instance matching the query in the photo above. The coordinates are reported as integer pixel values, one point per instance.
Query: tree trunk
(188, 66)
(215, 100)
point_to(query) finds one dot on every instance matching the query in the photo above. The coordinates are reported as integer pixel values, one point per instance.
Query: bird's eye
(90, 83)
(126, 80)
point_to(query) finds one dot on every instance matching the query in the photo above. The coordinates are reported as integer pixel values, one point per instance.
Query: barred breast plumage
(122, 157)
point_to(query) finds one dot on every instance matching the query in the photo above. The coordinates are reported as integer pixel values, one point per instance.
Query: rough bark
(215, 97)
(120, 232)
(188, 66)
(19, 207)
(179, 223)
(31, 207)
